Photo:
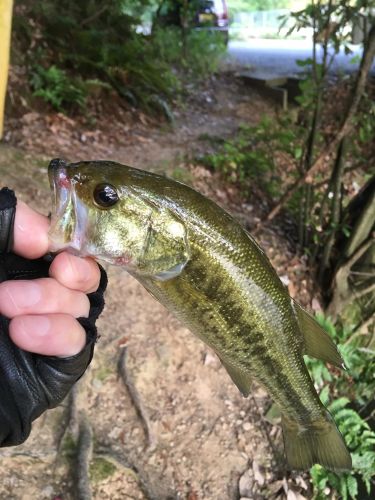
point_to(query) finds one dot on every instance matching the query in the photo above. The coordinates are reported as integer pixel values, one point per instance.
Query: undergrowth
(271, 153)
(348, 396)
(198, 59)
(259, 153)
(66, 45)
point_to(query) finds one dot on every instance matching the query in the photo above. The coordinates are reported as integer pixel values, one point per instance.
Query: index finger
(30, 232)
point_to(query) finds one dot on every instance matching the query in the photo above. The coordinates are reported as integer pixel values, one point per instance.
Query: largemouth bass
(196, 260)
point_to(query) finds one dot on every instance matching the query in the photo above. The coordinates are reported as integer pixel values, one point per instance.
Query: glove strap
(8, 202)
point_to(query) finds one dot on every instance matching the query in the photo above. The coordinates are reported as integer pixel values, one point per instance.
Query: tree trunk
(354, 276)
(335, 185)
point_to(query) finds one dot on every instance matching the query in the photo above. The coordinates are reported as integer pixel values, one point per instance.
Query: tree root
(136, 399)
(265, 431)
(46, 456)
(149, 490)
(69, 421)
(84, 454)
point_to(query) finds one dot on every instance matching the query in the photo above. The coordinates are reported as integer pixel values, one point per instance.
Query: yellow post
(6, 9)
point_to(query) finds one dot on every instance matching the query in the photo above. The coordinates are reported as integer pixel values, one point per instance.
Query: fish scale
(196, 260)
(240, 339)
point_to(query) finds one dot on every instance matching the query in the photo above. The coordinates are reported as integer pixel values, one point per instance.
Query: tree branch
(357, 254)
(94, 16)
(346, 127)
(364, 291)
(359, 330)
(352, 168)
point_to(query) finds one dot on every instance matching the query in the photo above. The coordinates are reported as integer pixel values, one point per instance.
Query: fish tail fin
(318, 442)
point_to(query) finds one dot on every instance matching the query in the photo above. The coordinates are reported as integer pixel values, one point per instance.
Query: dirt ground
(208, 442)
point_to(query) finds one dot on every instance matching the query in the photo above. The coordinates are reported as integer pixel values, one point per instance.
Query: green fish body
(196, 260)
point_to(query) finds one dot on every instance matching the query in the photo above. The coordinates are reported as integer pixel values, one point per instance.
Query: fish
(204, 267)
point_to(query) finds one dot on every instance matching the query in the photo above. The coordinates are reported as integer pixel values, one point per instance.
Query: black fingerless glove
(32, 383)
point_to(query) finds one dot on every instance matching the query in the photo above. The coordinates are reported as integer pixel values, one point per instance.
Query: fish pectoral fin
(318, 343)
(239, 377)
(319, 442)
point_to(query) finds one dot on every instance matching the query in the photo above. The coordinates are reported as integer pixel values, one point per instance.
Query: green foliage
(78, 42)
(98, 42)
(56, 88)
(350, 393)
(198, 59)
(255, 152)
(332, 22)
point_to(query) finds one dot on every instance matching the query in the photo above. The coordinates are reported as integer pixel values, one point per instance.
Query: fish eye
(105, 195)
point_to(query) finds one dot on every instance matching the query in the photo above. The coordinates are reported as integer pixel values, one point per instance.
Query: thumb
(30, 232)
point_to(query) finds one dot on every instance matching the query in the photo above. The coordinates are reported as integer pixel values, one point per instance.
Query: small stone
(209, 359)
(115, 433)
(246, 426)
(97, 384)
(245, 485)
(47, 491)
(284, 279)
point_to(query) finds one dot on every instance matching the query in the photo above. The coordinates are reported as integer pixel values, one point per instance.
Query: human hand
(47, 322)
(43, 311)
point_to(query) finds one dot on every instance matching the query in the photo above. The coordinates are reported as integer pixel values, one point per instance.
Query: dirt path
(207, 435)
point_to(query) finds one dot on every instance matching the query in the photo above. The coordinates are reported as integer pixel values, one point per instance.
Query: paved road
(277, 57)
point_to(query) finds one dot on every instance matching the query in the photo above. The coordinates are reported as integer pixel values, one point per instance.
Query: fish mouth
(68, 215)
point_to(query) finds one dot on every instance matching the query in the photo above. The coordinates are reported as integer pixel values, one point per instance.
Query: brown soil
(210, 443)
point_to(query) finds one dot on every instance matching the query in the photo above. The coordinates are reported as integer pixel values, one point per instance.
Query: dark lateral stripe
(202, 293)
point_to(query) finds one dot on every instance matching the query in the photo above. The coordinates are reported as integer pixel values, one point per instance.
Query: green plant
(259, 153)
(90, 40)
(55, 87)
(93, 41)
(360, 439)
(200, 56)
(347, 396)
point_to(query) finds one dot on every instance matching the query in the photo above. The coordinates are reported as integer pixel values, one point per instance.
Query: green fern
(356, 390)
(55, 87)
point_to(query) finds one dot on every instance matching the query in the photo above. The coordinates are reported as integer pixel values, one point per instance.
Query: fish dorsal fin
(239, 377)
(318, 343)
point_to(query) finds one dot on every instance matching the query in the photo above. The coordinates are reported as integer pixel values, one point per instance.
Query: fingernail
(81, 268)
(23, 294)
(35, 326)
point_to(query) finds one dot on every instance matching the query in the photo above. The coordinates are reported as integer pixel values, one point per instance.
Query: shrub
(69, 43)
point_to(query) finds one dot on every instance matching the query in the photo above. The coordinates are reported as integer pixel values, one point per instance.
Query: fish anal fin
(319, 442)
(239, 377)
(318, 343)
